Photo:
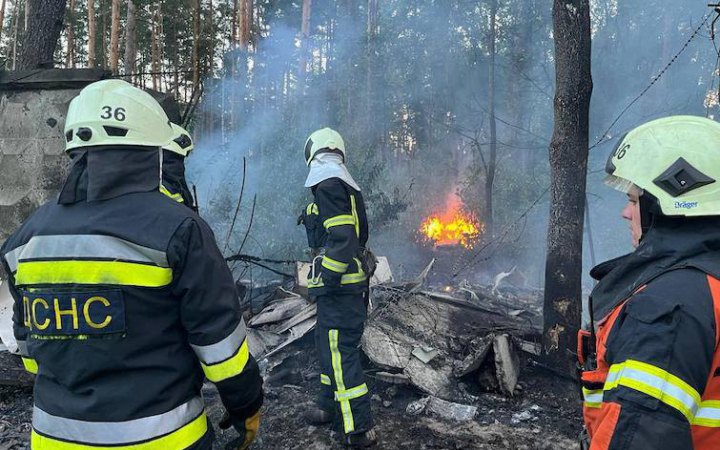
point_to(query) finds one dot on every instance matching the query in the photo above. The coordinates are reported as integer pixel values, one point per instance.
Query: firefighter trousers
(340, 324)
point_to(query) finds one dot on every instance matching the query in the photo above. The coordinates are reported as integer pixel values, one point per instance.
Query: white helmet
(675, 159)
(114, 112)
(324, 140)
(182, 144)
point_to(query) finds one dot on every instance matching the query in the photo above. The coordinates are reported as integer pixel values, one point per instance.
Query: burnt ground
(544, 415)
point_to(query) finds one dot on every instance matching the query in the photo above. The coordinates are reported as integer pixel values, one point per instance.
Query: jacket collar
(103, 173)
(669, 245)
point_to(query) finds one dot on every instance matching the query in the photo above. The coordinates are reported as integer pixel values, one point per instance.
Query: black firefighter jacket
(339, 220)
(123, 306)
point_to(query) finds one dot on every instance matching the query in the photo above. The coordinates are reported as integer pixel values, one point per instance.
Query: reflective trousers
(340, 324)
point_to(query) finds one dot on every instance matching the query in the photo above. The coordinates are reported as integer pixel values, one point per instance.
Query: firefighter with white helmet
(650, 357)
(174, 184)
(337, 230)
(123, 302)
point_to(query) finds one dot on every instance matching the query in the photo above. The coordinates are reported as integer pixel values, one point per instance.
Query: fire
(453, 227)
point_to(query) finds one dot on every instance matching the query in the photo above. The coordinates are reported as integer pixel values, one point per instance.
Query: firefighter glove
(246, 428)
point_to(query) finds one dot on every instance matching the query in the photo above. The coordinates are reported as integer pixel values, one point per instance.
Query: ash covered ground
(544, 414)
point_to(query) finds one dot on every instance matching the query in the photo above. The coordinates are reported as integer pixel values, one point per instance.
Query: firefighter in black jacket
(123, 302)
(337, 231)
(174, 184)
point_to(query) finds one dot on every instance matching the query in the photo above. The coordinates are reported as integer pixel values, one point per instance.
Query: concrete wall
(33, 164)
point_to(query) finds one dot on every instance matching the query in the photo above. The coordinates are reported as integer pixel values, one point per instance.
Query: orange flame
(453, 227)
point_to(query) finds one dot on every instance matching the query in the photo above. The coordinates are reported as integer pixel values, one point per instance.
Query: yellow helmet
(676, 159)
(324, 140)
(182, 144)
(114, 112)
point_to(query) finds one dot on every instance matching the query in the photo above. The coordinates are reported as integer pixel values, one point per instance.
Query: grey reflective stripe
(708, 413)
(73, 246)
(12, 259)
(22, 347)
(112, 433)
(593, 396)
(220, 351)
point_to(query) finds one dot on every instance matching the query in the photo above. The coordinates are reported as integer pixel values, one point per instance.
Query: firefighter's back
(103, 326)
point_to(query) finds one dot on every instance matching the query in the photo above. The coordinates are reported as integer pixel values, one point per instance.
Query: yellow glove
(252, 425)
(247, 429)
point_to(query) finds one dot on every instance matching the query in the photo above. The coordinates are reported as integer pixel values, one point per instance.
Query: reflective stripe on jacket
(656, 382)
(341, 211)
(123, 306)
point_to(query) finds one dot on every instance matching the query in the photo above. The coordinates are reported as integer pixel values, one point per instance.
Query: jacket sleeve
(337, 217)
(660, 353)
(210, 312)
(20, 317)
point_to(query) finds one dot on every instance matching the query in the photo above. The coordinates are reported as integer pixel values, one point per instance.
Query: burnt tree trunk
(91, 33)
(492, 157)
(130, 40)
(568, 165)
(45, 22)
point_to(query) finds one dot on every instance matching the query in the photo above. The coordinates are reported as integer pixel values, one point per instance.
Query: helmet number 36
(109, 113)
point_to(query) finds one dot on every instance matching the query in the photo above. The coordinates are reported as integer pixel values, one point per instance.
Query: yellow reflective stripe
(353, 393)
(348, 278)
(312, 209)
(356, 220)
(92, 272)
(708, 415)
(657, 383)
(177, 197)
(348, 421)
(592, 398)
(30, 365)
(181, 438)
(324, 379)
(343, 219)
(230, 367)
(334, 265)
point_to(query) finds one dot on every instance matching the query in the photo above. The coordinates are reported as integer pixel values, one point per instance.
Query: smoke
(412, 104)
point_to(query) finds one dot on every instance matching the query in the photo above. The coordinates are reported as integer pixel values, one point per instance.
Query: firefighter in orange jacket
(650, 361)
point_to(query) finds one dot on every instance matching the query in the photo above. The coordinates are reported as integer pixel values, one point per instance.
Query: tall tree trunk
(246, 14)
(28, 9)
(70, 54)
(2, 16)
(234, 23)
(492, 157)
(131, 40)
(568, 165)
(304, 36)
(196, 43)
(104, 34)
(211, 42)
(154, 46)
(45, 23)
(91, 33)
(115, 37)
(14, 30)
